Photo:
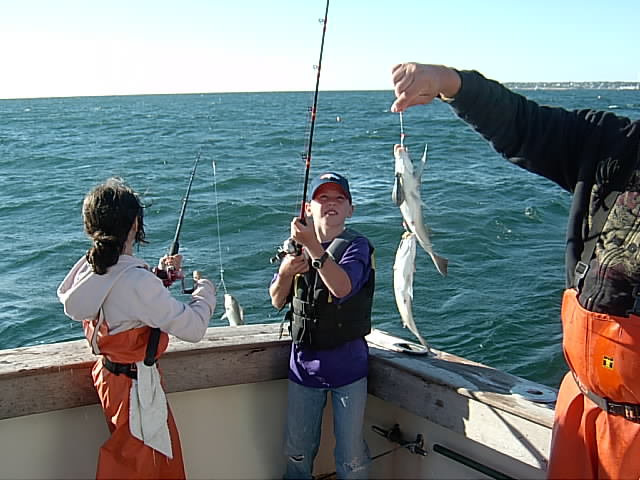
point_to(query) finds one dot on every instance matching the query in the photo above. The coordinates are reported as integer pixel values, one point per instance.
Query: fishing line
(215, 193)
(289, 246)
(313, 111)
(401, 131)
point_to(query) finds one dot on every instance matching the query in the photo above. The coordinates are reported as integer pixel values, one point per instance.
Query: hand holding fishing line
(418, 84)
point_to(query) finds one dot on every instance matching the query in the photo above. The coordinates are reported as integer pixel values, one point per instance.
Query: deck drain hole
(412, 348)
(534, 393)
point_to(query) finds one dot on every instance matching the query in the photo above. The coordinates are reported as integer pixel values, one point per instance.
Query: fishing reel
(289, 247)
(169, 275)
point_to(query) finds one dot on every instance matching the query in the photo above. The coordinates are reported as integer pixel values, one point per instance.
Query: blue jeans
(304, 423)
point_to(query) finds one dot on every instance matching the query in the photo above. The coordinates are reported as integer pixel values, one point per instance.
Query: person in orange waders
(594, 155)
(127, 314)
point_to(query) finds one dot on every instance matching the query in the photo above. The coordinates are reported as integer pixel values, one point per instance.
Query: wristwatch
(318, 262)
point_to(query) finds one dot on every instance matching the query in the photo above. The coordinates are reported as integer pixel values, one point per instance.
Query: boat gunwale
(60, 378)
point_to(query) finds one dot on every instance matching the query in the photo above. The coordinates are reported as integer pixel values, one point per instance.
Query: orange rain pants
(604, 353)
(122, 455)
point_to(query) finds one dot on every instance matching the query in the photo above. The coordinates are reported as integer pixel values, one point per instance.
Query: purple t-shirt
(350, 361)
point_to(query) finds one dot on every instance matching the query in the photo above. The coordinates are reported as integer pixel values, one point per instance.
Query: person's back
(127, 314)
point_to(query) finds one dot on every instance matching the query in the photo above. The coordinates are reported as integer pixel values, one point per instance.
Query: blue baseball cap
(331, 177)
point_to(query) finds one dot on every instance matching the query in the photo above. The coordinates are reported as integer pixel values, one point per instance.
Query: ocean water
(501, 228)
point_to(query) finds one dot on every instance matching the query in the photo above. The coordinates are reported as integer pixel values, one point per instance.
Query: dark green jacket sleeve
(567, 147)
(582, 151)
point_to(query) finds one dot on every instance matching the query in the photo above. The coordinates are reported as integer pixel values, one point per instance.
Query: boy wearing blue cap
(329, 289)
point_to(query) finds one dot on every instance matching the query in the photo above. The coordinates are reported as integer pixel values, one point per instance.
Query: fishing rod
(314, 110)
(289, 246)
(170, 274)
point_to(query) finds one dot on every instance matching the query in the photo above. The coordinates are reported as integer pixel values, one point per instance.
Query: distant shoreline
(591, 85)
(573, 85)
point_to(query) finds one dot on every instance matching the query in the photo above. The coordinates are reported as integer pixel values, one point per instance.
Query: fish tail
(441, 263)
(421, 339)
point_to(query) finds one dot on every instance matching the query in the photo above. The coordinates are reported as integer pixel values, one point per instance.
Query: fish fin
(396, 195)
(423, 163)
(224, 315)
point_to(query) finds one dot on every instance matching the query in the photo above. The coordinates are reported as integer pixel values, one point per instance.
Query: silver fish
(406, 195)
(232, 310)
(403, 269)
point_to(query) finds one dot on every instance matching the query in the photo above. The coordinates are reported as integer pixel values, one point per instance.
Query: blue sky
(90, 47)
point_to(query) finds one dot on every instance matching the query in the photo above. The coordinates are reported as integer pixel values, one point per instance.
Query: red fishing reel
(169, 275)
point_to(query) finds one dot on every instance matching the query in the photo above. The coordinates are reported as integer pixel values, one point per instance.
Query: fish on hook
(232, 311)
(404, 268)
(406, 195)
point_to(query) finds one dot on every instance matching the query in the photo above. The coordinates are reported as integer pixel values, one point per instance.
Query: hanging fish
(403, 269)
(233, 312)
(406, 195)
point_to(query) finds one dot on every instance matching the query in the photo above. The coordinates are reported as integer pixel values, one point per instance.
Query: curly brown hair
(108, 212)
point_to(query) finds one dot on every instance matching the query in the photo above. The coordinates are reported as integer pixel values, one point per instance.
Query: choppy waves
(501, 228)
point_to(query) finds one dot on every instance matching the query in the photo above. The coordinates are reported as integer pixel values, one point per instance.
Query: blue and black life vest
(316, 319)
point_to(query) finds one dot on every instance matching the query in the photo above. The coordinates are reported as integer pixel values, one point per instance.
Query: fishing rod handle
(175, 248)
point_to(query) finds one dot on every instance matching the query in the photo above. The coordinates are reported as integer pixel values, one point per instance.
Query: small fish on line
(232, 311)
(406, 195)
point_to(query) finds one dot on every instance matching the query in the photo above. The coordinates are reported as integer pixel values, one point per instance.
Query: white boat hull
(231, 427)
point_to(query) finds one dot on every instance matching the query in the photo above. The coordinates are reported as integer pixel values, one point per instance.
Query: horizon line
(507, 83)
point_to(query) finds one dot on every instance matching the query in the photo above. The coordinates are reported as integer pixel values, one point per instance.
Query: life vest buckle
(629, 411)
(632, 412)
(580, 272)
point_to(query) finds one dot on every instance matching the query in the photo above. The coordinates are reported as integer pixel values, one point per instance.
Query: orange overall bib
(603, 353)
(123, 455)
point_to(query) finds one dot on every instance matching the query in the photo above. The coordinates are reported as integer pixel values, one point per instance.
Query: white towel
(148, 411)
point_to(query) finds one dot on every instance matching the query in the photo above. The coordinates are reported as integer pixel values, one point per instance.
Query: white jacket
(131, 296)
